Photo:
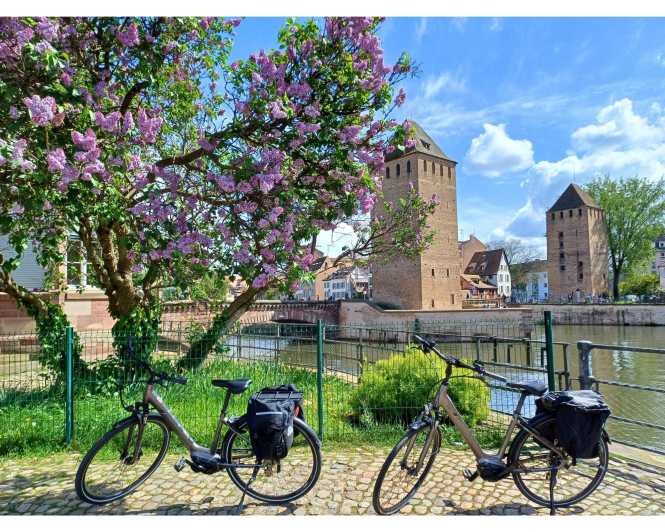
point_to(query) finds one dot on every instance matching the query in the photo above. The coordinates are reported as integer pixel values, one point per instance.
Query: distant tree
(640, 285)
(518, 254)
(635, 216)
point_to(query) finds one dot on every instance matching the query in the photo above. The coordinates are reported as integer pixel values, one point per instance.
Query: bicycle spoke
(534, 466)
(277, 479)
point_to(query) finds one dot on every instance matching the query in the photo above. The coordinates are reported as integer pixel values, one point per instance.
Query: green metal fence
(360, 383)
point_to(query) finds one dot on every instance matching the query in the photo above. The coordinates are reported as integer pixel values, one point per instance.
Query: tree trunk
(616, 273)
(136, 332)
(221, 323)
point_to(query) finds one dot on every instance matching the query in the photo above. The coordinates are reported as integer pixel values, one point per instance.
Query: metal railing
(638, 409)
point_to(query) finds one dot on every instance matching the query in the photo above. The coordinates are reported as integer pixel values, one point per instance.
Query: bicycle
(534, 459)
(137, 445)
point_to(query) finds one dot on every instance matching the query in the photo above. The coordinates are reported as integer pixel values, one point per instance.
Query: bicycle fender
(137, 416)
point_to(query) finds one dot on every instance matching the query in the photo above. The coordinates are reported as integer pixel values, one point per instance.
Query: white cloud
(421, 29)
(617, 126)
(493, 153)
(333, 242)
(444, 81)
(620, 143)
(528, 221)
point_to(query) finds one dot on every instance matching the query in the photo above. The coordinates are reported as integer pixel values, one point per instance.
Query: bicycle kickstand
(552, 485)
(244, 491)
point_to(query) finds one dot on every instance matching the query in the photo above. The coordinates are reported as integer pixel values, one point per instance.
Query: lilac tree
(169, 161)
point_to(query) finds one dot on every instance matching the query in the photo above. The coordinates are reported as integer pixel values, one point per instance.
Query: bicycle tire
(539, 424)
(80, 482)
(300, 429)
(378, 485)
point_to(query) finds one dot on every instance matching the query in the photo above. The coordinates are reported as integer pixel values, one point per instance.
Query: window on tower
(388, 172)
(408, 167)
(397, 170)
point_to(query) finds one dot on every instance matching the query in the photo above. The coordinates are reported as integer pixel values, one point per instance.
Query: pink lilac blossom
(127, 122)
(260, 281)
(42, 110)
(47, 29)
(149, 127)
(208, 145)
(129, 37)
(66, 76)
(19, 149)
(277, 111)
(87, 142)
(400, 98)
(109, 122)
(56, 160)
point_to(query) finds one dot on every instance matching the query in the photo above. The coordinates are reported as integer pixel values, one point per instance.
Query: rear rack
(280, 396)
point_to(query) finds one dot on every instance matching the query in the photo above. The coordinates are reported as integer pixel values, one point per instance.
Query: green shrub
(395, 389)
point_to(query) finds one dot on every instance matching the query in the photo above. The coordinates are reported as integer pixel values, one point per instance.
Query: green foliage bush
(395, 389)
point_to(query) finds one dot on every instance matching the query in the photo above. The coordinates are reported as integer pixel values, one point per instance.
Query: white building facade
(348, 283)
(536, 287)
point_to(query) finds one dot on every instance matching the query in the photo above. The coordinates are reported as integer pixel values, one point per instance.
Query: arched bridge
(259, 312)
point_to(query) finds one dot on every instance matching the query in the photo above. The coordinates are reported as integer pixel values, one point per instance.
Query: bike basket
(270, 415)
(580, 417)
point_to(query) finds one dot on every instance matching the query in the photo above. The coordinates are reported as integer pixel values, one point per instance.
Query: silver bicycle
(541, 468)
(125, 457)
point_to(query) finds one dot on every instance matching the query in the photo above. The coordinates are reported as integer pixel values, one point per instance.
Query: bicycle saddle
(237, 386)
(530, 388)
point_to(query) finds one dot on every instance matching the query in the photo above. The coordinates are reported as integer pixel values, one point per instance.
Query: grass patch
(33, 421)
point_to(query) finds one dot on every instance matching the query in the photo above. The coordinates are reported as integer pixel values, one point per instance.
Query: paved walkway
(46, 486)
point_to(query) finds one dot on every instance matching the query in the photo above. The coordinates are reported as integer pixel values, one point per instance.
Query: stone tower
(577, 250)
(432, 280)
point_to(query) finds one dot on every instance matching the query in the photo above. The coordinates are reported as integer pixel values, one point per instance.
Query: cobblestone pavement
(46, 486)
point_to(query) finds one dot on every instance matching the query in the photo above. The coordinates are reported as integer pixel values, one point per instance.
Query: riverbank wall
(646, 315)
(517, 322)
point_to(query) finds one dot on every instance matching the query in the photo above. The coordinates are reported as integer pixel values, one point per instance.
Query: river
(618, 365)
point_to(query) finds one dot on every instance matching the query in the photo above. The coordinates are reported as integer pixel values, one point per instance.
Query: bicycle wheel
(395, 487)
(534, 460)
(108, 471)
(281, 482)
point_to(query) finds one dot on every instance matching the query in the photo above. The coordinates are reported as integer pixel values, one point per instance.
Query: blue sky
(525, 105)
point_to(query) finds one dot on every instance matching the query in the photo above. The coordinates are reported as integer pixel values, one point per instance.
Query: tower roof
(424, 144)
(572, 198)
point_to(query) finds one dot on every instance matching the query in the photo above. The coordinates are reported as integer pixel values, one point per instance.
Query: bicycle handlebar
(430, 345)
(155, 378)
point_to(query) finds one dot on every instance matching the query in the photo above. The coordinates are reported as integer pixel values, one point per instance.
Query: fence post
(478, 355)
(69, 384)
(584, 348)
(549, 349)
(320, 331)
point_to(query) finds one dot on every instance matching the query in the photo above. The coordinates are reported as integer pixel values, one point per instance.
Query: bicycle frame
(443, 400)
(152, 398)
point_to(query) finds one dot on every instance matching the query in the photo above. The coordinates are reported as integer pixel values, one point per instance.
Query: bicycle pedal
(180, 464)
(469, 475)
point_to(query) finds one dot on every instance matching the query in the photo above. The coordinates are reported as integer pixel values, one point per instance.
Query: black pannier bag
(580, 417)
(270, 415)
